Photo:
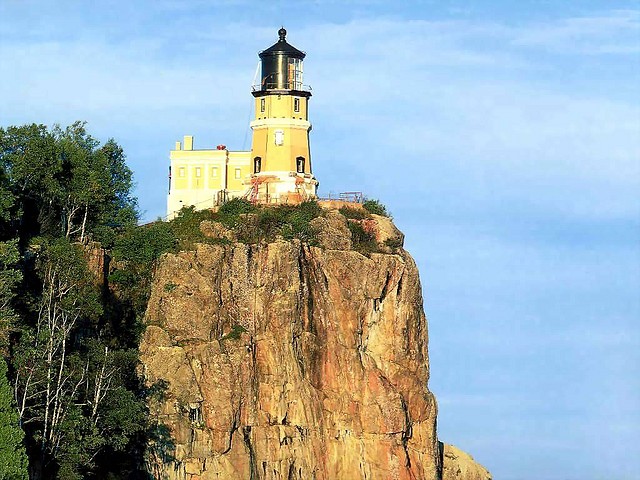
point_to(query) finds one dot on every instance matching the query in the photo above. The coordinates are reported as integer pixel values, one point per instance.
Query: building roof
(282, 47)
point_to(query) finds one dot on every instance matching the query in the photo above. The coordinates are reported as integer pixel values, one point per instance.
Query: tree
(96, 187)
(6, 198)
(49, 374)
(62, 182)
(9, 278)
(13, 458)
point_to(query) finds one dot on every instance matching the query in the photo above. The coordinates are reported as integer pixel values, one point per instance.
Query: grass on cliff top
(376, 207)
(369, 206)
(250, 223)
(140, 246)
(254, 224)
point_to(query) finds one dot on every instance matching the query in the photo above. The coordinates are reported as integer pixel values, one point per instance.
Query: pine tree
(13, 459)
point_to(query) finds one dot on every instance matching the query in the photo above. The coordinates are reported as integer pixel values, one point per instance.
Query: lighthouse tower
(280, 156)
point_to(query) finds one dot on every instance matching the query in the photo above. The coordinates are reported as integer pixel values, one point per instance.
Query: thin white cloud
(616, 32)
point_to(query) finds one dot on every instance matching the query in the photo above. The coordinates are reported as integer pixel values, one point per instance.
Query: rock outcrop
(285, 361)
(458, 465)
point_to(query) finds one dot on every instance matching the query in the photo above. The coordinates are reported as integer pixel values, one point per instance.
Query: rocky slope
(284, 361)
(458, 465)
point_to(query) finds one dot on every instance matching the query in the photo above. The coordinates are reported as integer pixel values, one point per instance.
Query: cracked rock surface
(284, 361)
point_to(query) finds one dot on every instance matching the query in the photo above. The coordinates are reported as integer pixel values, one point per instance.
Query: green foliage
(6, 197)
(10, 277)
(375, 207)
(234, 334)
(72, 348)
(66, 279)
(133, 258)
(353, 213)
(13, 458)
(394, 242)
(230, 212)
(300, 221)
(251, 224)
(256, 224)
(62, 182)
(47, 362)
(186, 226)
(362, 240)
(144, 244)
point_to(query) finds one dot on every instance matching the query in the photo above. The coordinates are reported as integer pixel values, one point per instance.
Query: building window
(279, 137)
(198, 172)
(262, 106)
(237, 173)
(300, 164)
(214, 171)
(296, 104)
(182, 172)
(257, 164)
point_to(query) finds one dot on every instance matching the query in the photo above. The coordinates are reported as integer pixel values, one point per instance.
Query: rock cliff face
(284, 361)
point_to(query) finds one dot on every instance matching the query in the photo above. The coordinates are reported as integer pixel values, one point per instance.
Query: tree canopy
(62, 182)
(70, 378)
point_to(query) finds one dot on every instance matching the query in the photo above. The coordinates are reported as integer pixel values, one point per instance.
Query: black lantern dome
(281, 66)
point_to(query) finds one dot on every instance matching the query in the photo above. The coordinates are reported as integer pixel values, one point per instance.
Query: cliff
(287, 361)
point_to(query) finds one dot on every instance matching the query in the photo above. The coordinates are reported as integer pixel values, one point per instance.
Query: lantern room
(281, 66)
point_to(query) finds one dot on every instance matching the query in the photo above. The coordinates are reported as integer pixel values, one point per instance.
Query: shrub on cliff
(230, 212)
(352, 213)
(134, 253)
(256, 224)
(186, 226)
(375, 207)
(299, 222)
(362, 239)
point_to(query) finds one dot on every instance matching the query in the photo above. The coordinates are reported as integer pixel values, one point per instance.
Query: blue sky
(504, 137)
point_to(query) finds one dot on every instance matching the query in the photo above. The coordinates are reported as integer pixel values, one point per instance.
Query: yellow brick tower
(280, 154)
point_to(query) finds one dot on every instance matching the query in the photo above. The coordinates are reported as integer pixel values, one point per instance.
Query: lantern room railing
(281, 86)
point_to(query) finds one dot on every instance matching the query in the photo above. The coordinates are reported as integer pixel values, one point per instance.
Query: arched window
(257, 164)
(300, 164)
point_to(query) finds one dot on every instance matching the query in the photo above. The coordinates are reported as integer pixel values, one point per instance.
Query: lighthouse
(277, 169)
(280, 154)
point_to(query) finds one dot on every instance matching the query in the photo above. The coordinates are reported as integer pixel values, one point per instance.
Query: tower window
(214, 171)
(300, 164)
(237, 173)
(181, 172)
(296, 104)
(279, 137)
(198, 171)
(262, 104)
(257, 164)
